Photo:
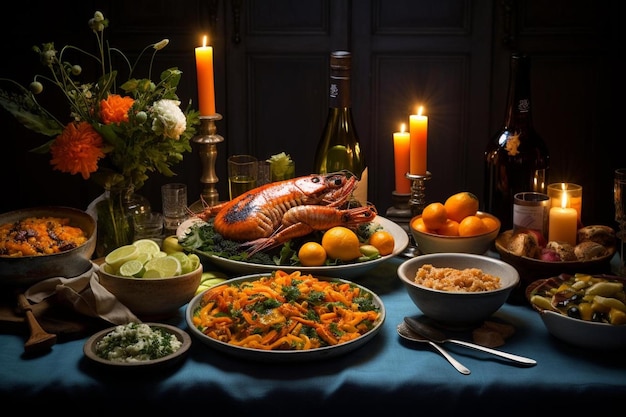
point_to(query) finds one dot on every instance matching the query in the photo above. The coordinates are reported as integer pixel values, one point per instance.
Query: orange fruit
(434, 216)
(418, 224)
(460, 205)
(383, 241)
(472, 226)
(490, 223)
(341, 243)
(451, 228)
(312, 254)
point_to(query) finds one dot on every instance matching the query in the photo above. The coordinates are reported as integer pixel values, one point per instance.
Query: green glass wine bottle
(339, 148)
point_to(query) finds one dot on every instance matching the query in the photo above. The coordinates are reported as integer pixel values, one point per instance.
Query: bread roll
(604, 235)
(524, 244)
(588, 250)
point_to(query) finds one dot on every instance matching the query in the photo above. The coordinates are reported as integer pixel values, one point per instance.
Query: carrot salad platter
(285, 316)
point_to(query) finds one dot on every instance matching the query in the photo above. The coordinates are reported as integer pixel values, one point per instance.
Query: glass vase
(114, 219)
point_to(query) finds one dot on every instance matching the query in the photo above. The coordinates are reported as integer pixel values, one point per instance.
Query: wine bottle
(339, 147)
(516, 158)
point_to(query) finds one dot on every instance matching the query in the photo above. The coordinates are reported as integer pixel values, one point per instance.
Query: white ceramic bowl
(152, 298)
(27, 270)
(577, 332)
(433, 243)
(456, 308)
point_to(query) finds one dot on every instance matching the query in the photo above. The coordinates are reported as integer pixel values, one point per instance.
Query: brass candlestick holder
(407, 206)
(208, 140)
(417, 201)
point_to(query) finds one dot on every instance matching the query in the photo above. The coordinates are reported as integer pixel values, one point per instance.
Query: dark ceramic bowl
(531, 269)
(24, 271)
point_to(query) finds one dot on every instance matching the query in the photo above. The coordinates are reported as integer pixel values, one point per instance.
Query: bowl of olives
(584, 310)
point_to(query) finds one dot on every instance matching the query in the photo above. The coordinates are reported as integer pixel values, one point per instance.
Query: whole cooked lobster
(272, 214)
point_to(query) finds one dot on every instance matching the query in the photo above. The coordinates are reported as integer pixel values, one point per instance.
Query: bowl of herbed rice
(458, 289)
(133, 345)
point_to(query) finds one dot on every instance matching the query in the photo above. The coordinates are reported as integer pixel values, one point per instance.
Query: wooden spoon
(39, 339)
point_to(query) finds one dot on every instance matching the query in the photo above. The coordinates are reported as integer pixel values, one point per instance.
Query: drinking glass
(174, 199)
(242, 174)
(619, 193)
(149, 226)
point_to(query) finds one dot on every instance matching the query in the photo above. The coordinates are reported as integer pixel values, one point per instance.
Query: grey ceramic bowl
(27, 270)
(456, 308)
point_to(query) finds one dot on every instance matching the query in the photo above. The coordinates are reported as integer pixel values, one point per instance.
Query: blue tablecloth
(384, 375)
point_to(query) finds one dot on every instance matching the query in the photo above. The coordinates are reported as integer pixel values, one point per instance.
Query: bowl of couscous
(44, 242)
(458, 289)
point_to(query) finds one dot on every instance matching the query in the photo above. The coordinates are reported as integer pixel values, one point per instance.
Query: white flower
(169, 119)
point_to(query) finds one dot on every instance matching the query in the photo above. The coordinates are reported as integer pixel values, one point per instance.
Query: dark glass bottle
(339, 147)
(516, 158)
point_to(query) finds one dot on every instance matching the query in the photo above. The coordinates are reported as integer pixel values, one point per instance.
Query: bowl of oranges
(455, 225)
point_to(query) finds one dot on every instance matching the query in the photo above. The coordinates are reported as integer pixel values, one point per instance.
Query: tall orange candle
(419, 137)
(206, 86)
(401, 148)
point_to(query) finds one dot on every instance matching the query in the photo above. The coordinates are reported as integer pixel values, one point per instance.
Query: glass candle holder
(566, 195)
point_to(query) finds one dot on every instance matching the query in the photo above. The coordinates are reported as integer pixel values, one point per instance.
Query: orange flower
(114, 109)
(77, 149)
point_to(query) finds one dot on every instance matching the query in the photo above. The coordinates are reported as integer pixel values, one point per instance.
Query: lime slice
(186, 264)
(167, 266)
(107, 268)
(144, 257)
(148, 246)
(132, 268)
(195, 261)
(152, 273)
(118, 256)
(159, 254)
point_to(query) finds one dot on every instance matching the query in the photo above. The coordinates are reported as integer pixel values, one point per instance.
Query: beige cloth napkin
(85, 295)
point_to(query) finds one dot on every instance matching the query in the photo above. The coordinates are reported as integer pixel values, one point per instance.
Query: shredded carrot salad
(286, 311)
(39, 236)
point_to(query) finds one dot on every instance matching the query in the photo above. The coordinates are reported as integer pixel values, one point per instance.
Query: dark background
(271, 70)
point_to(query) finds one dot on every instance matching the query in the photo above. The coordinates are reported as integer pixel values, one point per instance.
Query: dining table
(385, 375)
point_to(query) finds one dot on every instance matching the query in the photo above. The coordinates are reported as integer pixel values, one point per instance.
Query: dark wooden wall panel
(439, 84)
(296, 85)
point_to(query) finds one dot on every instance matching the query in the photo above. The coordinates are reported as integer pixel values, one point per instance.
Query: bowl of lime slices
(151, 282)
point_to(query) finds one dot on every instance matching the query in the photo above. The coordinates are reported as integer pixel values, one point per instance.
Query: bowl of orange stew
(285, 316)
(44, 242)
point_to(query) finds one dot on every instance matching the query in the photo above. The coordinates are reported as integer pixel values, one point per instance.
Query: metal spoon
(408, 334)
(438, 337)
(39, 339)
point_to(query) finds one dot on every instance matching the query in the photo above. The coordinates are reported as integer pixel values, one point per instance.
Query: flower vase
(114, 219)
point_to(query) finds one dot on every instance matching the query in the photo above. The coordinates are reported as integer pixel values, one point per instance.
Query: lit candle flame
(564, 199)
(204, 41)
(420, 110)
(402, 127)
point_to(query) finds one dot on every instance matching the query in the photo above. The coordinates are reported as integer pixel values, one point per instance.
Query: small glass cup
(264, 175)
(531, 210)
(283, 171)
(242, 174)
(149, 226)
(573, 196)
(174, 199)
